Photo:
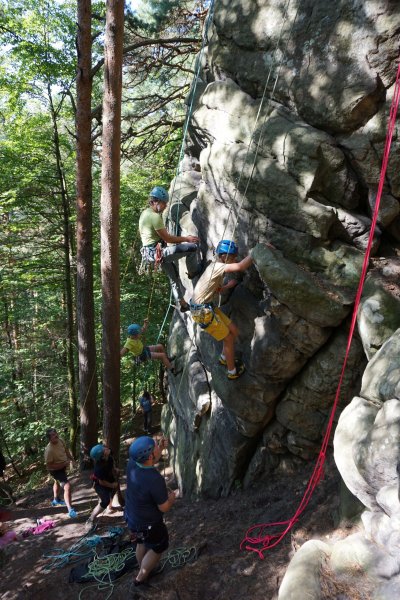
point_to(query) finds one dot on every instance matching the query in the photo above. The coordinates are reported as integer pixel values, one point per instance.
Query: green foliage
(153, 15)
(37, 85)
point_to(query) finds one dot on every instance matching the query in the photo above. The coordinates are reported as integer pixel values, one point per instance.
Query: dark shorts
(105, 494)
(146, 355)
(60, 475)
(154, 537)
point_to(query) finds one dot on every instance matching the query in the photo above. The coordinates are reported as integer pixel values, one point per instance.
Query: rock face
(287, 127)
(367, 454)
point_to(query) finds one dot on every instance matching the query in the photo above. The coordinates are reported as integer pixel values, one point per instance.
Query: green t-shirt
(134, 346)
(149, 222)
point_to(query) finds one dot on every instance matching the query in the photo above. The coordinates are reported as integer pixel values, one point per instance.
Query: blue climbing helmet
(141, 448)
(134, 329)
(227, 247)
(159, 193)
(96, 452)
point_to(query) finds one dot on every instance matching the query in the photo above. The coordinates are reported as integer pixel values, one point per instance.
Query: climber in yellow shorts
(212, 319)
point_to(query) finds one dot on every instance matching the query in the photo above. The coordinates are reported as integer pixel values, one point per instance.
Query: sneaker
(240, 369)
(222, 361)
(57, 502)
(72, 513)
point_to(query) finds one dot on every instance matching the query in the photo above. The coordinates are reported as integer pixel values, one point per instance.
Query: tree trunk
(109, 218)
(84, 238)
(67, 248)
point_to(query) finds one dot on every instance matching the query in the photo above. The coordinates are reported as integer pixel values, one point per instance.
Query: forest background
(50, 208)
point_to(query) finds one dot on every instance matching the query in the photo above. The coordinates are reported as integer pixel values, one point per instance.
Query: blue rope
(83, 548)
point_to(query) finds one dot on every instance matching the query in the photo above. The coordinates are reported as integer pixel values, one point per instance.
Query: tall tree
(68, 286)
(84, 236)
(109, 219)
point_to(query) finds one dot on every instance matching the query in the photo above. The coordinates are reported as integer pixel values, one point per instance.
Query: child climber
(141, 352)
(211, 318)
(105, 481)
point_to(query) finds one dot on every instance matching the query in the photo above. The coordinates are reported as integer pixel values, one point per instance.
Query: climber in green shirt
(153, 231)
(134, 345)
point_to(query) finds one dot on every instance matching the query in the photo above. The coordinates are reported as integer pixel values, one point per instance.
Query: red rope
(257, 538)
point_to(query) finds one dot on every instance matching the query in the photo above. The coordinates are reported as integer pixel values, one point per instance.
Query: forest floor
(210, 531)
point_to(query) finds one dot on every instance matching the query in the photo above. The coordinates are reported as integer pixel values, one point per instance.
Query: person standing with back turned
(147, 499)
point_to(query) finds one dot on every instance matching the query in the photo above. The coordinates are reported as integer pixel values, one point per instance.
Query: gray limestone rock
(304, 572)
(297, 167)
(295, 287)
(387, 360)
(306, 405)
(379, 312)
(285, 145)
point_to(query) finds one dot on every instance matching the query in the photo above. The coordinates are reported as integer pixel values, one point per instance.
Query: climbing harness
(202, 314)
(151, 257)
(257, 538)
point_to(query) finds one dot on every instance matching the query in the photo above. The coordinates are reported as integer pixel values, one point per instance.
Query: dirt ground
(213, 529)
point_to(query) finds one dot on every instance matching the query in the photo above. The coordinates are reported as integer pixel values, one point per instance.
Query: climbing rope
(102, 568)
(189, 112)
(262, 132)
(257, 538)
(260, 137)
(178, 558)
(181, 153)
(83, 548)
(262, 128)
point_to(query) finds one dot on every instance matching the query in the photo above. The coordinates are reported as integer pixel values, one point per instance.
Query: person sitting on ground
(147, 499)
(57, 458)
(135, 346)
(105, 481)
(211, 318)
(153, 232)
(146, 406)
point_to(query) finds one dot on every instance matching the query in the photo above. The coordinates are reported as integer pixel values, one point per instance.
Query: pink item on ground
(40, 528)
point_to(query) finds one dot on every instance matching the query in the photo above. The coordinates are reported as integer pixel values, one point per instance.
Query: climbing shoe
(72, 513)
(57, 502)
(240, 369)
(222, 361)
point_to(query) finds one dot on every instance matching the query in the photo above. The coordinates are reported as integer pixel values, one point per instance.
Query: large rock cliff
(287, 125)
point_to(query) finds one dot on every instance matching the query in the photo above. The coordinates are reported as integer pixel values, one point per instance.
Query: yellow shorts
(219, 326)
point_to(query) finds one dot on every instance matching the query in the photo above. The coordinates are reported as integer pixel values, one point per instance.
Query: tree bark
(67, 249)
(109, 219)
(84, 238)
